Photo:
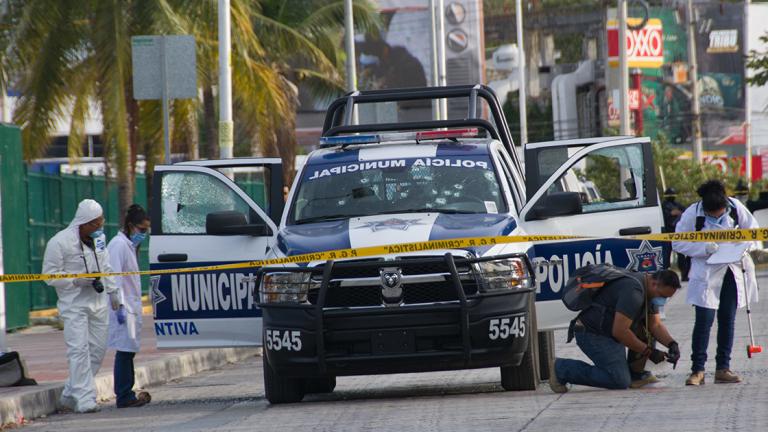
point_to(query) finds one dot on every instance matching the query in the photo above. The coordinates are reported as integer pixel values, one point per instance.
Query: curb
(36, 401)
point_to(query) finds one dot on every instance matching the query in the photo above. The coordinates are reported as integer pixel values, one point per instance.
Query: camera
(98, 286)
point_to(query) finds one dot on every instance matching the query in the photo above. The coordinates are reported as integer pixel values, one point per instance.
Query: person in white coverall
(125, 323)
(82, 302)
(716, 290)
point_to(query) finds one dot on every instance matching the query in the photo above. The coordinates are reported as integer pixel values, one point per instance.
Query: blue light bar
(348, 140)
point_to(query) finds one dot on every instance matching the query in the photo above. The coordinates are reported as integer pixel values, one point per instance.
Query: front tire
(526, 375)
(278, 389)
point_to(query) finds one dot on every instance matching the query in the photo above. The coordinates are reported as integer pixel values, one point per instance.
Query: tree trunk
(210, 128)
(286, 147)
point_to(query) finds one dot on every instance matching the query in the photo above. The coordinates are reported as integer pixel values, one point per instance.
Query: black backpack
(586, 282)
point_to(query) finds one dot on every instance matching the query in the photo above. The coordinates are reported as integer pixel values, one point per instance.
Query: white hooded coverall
(83, 310)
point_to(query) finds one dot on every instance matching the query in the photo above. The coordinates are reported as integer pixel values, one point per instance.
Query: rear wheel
(526, 375)
(320, 385)
(278, 389)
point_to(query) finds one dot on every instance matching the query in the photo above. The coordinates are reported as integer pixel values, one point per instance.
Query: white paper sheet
(728, 253)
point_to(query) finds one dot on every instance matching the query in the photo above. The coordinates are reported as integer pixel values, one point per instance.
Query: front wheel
(526, 375)
(278, 389)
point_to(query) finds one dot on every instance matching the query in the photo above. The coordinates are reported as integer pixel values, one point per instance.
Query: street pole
(435, 67)
(623, 70)
(166, 119)
(637, 85)
(226, 126)
(3, 342)
(349, 42)
(748, 108)
(693, 77)
(521, 74)
(441, 55)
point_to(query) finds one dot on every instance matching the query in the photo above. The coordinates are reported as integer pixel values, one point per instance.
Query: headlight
(286, 287)
(503, 274)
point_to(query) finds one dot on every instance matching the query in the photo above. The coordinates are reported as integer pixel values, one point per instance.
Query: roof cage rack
(338, 117)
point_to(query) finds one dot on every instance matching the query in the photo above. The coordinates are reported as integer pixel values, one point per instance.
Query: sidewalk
(42, 349)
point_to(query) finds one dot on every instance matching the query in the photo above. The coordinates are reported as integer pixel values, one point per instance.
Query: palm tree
(72, 52)
(69, 53)
(317, 27)
(276, 45)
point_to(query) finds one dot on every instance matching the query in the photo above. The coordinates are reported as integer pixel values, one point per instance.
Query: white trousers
(85, 334)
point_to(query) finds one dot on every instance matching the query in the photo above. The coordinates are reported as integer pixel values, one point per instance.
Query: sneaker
(554, 383)
(725, 376)
(642, 379)
(89, 407)
(142, 399)
(695, 378)
(67, 403)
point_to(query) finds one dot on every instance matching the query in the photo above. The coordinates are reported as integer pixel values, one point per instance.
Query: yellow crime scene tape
(719, 236)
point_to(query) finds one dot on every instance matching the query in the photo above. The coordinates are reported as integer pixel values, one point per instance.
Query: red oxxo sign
(645, 47)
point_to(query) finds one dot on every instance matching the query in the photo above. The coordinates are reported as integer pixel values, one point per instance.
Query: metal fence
(51, 204)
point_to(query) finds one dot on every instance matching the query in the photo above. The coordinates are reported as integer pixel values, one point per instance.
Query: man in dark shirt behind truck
(614, 323)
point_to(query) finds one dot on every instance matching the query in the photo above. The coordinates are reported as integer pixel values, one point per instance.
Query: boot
(642, 379)
(725, 376)
(696, 378)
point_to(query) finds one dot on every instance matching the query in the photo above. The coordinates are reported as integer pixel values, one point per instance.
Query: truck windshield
(452, 184)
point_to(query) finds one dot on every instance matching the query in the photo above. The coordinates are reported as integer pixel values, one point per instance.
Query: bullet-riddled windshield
(455, 184)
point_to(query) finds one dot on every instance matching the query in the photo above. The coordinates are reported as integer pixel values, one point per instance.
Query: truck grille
(357, 284)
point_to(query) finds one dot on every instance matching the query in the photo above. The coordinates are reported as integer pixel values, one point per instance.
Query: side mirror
(556, 204)
(230, 222)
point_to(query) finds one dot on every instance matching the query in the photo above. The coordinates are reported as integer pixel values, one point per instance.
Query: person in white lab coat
(716, 290)
(82, 302)
(125, 323)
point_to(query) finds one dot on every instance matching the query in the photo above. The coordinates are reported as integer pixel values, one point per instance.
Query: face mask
(716, 220)
(137, 238)
(659, 301)
(98, 233)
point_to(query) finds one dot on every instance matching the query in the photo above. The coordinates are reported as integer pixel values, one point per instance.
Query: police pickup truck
(405, 180)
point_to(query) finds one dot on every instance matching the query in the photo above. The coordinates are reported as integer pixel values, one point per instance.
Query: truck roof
(402, 149)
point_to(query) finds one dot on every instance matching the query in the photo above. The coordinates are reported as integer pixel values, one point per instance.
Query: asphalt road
(231, 399)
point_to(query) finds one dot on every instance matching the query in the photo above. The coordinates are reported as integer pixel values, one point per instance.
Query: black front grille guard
(327, 271)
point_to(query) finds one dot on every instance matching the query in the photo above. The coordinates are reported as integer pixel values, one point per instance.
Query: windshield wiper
(327, 218)
(429, 210)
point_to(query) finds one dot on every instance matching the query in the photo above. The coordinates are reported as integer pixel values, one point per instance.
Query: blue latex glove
(121, 317)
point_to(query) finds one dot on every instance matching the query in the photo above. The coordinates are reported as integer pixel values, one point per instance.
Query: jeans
(124, 377)
(610, 368)
(726, 317)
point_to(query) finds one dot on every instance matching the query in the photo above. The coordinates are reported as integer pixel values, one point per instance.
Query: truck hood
(389, 229)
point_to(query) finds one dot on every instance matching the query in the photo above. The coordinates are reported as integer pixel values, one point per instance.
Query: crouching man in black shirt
(624, 315)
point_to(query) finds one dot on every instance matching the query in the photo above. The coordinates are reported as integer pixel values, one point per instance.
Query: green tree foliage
(758, 62)
(66, 54)
(685, 175)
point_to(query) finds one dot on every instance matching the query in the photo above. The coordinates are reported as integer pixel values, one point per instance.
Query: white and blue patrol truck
(405, 180)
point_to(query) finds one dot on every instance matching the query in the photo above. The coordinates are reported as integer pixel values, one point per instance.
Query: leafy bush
(685, 175)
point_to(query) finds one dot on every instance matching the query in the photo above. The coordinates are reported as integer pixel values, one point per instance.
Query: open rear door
(210, 213)
(604, 187)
